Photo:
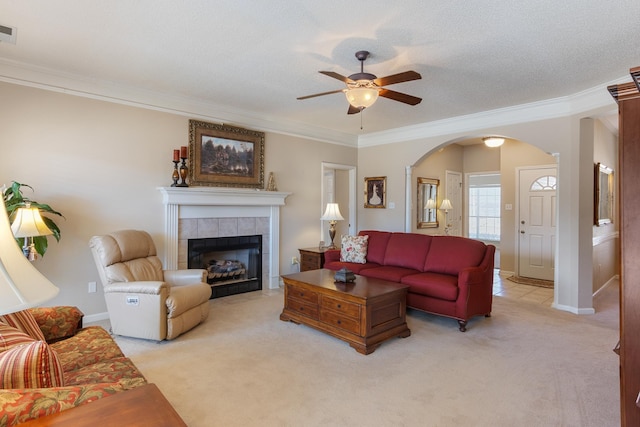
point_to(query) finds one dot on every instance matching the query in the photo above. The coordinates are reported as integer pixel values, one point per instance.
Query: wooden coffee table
(141, 406)
(364, 313)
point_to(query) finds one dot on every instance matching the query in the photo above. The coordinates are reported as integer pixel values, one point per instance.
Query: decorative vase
(271, 183)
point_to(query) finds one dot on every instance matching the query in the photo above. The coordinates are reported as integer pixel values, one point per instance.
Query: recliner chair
(143, 300)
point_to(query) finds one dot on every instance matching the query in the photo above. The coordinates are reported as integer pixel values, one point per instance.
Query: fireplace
(233, 264)
(207, 212)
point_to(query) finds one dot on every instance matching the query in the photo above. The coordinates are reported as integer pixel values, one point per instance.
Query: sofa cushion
(390, 273)
(24, 321)
(111, 370)
(450, 254)
(30, 365)
(407, 250)
(436, 285)
(57, 322)
(90, 345)
(377, 245)
(11, 337)
(354, 249)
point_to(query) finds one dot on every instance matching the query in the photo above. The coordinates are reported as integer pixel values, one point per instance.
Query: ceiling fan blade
(407, 76)
(336, 76)
(320, 94)
(401, 97)
(353, 110)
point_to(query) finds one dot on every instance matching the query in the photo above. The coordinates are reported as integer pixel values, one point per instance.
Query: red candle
(176, 155)
(183, 152)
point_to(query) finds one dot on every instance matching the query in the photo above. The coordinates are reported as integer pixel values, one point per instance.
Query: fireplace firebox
(233, 264)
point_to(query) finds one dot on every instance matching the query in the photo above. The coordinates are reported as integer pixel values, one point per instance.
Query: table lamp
(21, 285)
(332, 214)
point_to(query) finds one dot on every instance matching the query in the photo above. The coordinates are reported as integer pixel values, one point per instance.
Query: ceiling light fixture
(361, 95)
(493, 141)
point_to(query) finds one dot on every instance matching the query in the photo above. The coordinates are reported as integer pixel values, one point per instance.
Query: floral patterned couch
(49, 363)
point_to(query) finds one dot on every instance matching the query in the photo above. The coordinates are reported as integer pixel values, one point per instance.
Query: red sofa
(447, 275)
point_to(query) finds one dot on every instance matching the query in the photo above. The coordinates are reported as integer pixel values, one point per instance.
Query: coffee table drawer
(301, 307)
(340, 321)
(346, 308)
(302, 294)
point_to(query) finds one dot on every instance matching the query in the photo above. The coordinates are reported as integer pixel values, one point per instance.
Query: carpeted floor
(527, 365)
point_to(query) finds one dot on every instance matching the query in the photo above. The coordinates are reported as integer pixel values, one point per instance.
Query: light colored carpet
(528, 365)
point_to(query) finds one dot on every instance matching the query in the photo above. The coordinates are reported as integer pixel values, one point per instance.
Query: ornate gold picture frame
(375, 192)
(225, 156)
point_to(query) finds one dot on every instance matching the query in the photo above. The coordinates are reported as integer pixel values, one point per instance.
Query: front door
(537, 222)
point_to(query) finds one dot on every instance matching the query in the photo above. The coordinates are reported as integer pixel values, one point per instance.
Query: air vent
(8, 34)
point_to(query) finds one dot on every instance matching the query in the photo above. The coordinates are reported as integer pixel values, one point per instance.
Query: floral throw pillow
(354, 249)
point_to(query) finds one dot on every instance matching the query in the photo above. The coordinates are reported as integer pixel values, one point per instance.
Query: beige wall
(435, 166)
(100, 163)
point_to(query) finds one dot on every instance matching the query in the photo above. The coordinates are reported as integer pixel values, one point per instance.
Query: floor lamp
(21, 285)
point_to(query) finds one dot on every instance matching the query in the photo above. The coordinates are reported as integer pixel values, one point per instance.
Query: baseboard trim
(573, 310)
(614, 279)
(90, 318)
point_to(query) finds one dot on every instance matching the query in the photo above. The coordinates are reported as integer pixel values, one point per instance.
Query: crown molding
(43, 78)
(587, 100)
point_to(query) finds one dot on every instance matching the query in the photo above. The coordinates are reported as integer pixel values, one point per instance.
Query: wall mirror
(603, 200)
(427, 202)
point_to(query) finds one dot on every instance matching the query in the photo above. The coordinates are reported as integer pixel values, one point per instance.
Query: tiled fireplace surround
(202, 212)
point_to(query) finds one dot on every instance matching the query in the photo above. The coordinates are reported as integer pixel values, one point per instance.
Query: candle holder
(175, 176)
(184, 170)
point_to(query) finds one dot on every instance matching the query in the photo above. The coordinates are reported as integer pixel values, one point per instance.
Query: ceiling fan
(363, 88)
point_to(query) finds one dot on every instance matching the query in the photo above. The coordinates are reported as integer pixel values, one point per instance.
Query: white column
(171, 236)
(408, 172)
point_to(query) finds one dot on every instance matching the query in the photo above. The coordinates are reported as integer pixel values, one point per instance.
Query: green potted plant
(14, 199)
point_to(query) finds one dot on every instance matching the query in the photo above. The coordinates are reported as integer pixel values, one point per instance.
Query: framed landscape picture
(375, 192)
(225, 156)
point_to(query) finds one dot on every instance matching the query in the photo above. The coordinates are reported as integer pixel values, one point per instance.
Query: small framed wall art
(225, 156)
(375, 192)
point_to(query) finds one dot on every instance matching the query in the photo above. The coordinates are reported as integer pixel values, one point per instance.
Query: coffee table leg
(364, 349)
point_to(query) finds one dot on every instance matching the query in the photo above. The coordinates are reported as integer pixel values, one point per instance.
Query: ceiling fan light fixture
(361, 97)
(493, 141)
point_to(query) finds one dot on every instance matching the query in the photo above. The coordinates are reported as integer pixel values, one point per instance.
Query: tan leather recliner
(143, 300)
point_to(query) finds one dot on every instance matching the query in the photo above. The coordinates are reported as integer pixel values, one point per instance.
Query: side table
(312, 258)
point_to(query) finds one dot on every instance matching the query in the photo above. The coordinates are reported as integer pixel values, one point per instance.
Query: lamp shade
(332, 213)
(361, 97)
(29, 223)
(446, 205)
(431, 204)
(21, 285)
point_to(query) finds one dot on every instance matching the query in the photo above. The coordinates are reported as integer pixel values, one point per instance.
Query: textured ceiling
(256, 57)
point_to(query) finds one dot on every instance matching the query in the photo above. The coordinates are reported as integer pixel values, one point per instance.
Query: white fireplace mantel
(217, 199)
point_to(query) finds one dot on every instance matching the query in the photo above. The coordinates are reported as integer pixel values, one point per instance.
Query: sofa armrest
(185, 277)
(58, 322)
(144, 287)
(20, 405)
(332, 255)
